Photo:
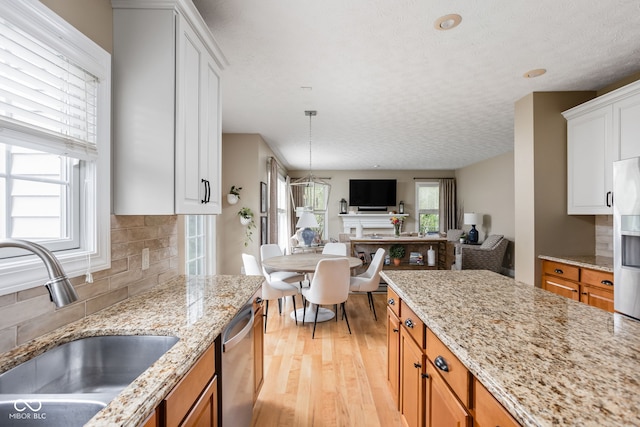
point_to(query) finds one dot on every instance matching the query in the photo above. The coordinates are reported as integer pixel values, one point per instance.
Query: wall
(94, 19)
(487, 187)
(244, 164)
(339, 181)
(28, 314)
(542, 225)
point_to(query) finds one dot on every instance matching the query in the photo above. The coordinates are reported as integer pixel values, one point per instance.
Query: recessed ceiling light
(376, 166)
(534, 73)
(447, 22)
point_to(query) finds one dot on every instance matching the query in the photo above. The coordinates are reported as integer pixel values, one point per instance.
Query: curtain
(272, 205)
(297, 193)
(447, 204)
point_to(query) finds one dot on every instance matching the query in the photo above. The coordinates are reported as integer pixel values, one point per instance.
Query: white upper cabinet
(167, 121)
(600, 132)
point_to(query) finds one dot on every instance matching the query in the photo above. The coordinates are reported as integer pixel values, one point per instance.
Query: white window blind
(46, 96)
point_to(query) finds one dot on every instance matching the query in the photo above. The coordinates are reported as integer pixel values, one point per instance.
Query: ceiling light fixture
(305, 191)
(448, 22)
(534, 73)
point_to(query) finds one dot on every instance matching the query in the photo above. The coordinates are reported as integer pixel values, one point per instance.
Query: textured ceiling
(390, 89)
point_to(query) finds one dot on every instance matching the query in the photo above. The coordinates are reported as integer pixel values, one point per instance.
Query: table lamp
(472, 219)
(307, 221)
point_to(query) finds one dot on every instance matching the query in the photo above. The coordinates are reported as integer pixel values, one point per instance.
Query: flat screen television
(372, 194)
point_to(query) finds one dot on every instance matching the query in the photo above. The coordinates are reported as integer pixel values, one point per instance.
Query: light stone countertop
(601, 263)
(195, 309)
(548, 359)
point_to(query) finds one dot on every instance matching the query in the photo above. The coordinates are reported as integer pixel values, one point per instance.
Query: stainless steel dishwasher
(237, 369)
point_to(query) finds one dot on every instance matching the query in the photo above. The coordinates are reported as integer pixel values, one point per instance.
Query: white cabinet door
(589, 166)
(167, 126)
(197, 126)
(626, 128)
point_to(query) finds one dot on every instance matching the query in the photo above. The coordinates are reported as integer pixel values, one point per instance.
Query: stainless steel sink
(69, 384)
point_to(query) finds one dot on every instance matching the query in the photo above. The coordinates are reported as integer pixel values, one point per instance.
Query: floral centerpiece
(397, 223)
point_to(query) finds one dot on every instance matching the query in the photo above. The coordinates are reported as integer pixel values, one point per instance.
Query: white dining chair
(369, 281)
(270, 291)
(273, 276)
(329, 286)
(335, 248)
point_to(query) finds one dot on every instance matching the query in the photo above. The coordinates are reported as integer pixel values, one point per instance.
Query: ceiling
(393, 92)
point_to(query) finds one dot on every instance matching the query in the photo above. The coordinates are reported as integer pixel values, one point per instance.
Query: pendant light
(315, 191)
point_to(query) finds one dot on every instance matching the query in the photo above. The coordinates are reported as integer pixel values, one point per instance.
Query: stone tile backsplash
(29, 314)
(604, 235)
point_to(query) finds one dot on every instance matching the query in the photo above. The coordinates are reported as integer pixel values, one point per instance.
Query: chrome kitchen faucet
(60, 289)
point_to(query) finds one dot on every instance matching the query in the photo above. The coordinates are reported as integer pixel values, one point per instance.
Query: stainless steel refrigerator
(626, 236)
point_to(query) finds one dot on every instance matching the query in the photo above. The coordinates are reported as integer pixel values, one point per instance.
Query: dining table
(307, 263)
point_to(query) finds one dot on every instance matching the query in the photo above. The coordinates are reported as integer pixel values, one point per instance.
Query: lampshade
(307, 220)
(472, 218)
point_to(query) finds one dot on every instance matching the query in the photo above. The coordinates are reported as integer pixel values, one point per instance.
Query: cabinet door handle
(585, 293)
(258, 300)
(395, 330)
(207, 191)
(391, 301)
(609, 195)
(441, 364)
(417, 365)
(607, 282)
(409, 323)
(558, 271)
(425, 375)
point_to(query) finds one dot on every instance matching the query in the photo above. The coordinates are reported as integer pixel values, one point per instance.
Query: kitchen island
(547, 359)
(194, 309)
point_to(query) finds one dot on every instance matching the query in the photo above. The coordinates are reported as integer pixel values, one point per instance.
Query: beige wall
(244, 164)
(487, 187)
(542, 225)
(93, 18)
(339, 181)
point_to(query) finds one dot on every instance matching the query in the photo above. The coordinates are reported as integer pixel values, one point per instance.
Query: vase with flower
(397, 223)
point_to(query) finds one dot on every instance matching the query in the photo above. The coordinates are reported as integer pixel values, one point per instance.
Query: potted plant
(234, 195)
(396, 252)
(246, 219)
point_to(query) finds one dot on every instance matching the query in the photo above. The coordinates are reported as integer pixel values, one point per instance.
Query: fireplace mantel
(367, 220)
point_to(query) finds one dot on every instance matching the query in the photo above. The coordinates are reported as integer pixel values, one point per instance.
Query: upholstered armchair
(487, 256)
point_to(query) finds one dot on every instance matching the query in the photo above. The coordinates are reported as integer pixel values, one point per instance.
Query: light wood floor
(336, 379)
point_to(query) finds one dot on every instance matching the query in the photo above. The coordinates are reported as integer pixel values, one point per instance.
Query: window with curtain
(55, 91)
(428, 206)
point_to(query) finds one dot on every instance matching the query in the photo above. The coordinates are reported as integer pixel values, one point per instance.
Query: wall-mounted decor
(263, 197)
(263, 230)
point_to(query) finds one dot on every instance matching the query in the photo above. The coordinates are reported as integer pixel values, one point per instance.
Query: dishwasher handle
(229, 342)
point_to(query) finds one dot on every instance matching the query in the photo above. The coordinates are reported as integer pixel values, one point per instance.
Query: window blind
(47, 102)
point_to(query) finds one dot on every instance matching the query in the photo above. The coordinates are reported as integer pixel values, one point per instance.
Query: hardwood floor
(336, 379)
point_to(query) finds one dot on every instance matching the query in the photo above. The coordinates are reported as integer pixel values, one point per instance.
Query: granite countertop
(601, 263)
(548, 359)
(195, 309)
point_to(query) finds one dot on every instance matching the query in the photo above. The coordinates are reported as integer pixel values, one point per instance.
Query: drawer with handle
(566, 271)
(601, 279)
(412, 324)
(450, 368)
(393, 301)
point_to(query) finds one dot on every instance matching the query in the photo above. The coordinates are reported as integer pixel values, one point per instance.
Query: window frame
(418, 211)
(26, 272)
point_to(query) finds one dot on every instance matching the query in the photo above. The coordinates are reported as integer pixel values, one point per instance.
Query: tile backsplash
(604, 235)
(28, 314)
